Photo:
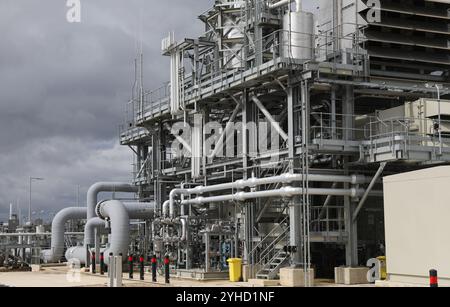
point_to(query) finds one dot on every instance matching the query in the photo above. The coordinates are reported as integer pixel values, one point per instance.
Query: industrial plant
(289, 148)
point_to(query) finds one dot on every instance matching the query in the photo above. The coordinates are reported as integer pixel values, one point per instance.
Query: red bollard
(102, 264)
(166, 269)
(434, 279)
(141, 268)
(93, 264)
(130, 263)
(154, 267)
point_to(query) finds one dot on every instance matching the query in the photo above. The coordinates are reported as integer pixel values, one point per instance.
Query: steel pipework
(56, 250)
(254, 182)
(282, 192)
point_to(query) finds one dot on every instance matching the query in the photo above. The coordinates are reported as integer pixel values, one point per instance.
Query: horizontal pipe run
(286, 2)
(283, 192)
(254, 182)
(99, 187)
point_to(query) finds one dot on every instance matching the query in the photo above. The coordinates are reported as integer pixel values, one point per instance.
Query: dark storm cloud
(63, 89)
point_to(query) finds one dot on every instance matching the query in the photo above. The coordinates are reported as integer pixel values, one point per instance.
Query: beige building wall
(417, 222)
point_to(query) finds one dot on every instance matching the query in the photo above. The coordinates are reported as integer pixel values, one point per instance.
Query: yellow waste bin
(383, 268)
(235, 267)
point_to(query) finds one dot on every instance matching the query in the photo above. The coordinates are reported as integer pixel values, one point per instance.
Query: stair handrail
(268, 235)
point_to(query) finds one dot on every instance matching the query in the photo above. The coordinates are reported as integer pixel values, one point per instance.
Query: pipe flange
(98, 209)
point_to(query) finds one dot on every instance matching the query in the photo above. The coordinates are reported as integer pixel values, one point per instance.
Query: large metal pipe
(282, 192)
(89, 230)
(298, 4)
(119, 218)
(99, 187)
(254, 182)
(94, 190)
(55, 253)
(133, 210)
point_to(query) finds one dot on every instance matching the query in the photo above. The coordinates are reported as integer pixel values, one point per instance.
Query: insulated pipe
(134, 211)
(116, 212)
(254, 182)
(183, 229)
(298, 4)
(89, 229)
(282, 192)
(56, 251)
(99, 187)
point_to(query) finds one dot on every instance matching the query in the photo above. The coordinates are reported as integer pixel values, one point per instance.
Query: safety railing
(409, 132)
(292, 47)
(328, 219)
(328, 126)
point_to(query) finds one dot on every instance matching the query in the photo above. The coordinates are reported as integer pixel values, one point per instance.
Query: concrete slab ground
(58, 277)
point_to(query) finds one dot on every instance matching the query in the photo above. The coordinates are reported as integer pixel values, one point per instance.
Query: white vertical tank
(298, 35)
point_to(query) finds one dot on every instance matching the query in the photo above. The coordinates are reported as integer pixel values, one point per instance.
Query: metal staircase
(269, 256)
(274, 257)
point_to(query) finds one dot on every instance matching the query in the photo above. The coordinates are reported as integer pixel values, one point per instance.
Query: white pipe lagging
(183, 230)
(118, 217)
(95, 189)
(298, 4)
(89, 229)
(116, 212)
(282, 192)
(169, 206)
(99, 187)
(56, 251)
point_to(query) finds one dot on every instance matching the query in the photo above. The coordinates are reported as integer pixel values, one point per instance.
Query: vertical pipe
(207, 252)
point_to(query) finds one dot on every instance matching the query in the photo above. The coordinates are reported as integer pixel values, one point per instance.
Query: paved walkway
(60, 277)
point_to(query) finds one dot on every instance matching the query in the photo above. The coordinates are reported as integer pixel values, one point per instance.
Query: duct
(134, 211)
(254, 182)
(298, 4)
(99, 187)
(117, 214)
(56, 251)
(272, 121)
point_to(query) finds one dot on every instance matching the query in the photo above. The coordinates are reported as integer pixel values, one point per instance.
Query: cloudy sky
(63, 88)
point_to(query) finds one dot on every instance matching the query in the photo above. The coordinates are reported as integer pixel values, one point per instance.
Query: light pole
(29, 203)
(438, 90)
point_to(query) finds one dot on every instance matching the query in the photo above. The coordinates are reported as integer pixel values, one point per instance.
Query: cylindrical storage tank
(298, 35)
